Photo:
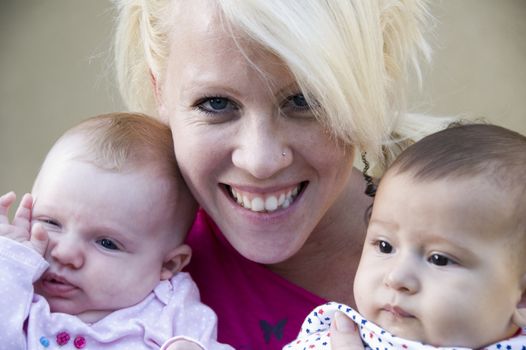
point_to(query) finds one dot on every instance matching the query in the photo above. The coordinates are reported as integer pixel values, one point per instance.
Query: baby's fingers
(39, 239)
(22, 217)
(344, 334)
(5, 203)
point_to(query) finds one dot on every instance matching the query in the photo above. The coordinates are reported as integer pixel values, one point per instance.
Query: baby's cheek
(361, 297)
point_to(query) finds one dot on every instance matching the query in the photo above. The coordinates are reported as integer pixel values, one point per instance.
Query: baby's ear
(175, 260)
(519, 316)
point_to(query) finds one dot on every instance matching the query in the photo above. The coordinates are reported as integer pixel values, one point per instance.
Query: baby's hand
(181, 343)
(344, 334)
(184, 345)
(20, 229)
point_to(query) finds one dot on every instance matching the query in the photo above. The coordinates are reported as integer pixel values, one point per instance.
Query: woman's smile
(265, 201)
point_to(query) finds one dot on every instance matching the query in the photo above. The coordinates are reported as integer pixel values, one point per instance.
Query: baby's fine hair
(466, 151)
(469, 151)
(350, 57)
(120, 141)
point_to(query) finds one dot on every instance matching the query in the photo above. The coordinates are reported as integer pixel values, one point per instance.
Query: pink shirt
(172, 311)
(256, 308)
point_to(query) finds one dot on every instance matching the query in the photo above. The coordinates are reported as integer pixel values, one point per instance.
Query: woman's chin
(267, 252)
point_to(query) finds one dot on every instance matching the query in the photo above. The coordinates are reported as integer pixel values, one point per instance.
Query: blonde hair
(350, 57)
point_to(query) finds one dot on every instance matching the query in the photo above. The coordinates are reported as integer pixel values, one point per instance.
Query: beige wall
(55, 70)
(479, 65)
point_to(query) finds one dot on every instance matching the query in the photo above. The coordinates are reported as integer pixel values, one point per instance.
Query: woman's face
(247, 143)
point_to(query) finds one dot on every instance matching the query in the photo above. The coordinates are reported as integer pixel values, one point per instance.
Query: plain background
(55, 69)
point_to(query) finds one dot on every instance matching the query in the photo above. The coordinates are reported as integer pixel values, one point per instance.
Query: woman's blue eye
(297, 105)
(385, 247)
(216, 105)
(300, 101)
(439, 260)
(108, 244)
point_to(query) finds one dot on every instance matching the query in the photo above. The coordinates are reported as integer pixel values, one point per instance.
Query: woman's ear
(158, 94)
(155, 86)
(175, 261)
(519, 316)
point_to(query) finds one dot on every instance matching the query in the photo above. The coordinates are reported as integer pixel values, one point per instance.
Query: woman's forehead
(201, 23)
(206, 48)
(202, 15)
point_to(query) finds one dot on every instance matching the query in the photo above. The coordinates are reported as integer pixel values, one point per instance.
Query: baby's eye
(440, 260)
(384, 247)
(107, 244)
(48, 222)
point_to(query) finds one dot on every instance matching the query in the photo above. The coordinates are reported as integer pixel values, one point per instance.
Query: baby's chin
(86, 316)
(409, 332)
(405, 325)
(414, 331)
(409, 328)
(92, 316)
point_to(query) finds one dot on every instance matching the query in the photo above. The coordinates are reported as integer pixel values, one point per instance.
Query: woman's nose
(402, 276)
(262, 148)
(66, 250)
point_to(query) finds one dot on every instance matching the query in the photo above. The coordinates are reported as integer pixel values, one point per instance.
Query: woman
(268, 102)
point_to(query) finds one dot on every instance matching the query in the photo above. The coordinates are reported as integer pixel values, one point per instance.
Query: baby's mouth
(398, 312)
(269, 202)
(56, 280)
(56, 285)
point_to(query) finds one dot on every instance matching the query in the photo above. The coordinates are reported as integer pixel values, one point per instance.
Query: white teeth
(257, 204)
(271, 203)
(281, 199)
(246, 202)
(267, 203)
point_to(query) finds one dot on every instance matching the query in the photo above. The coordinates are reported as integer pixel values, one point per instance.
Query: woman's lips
(268, 202)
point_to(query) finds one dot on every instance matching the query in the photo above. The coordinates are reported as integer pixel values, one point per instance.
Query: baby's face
(109, 233)
(436, 265)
